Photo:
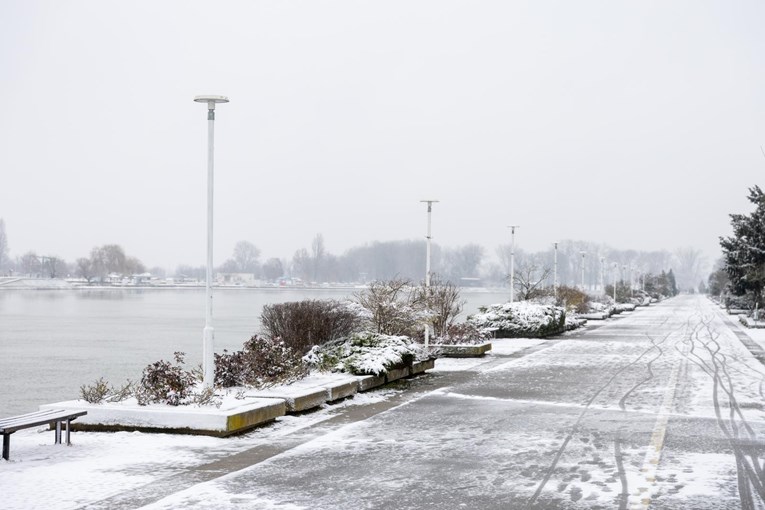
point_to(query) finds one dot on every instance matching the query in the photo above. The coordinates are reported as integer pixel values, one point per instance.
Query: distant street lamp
(208, 360)
(616, 266)
(583, 255)
(427, 264)
(632, 281)
(603, 275)
(512, 261)
(555, 272)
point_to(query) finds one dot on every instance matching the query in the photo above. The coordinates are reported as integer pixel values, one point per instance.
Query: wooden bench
(53, 417)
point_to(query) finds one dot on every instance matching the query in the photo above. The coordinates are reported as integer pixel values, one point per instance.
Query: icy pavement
(660, 408)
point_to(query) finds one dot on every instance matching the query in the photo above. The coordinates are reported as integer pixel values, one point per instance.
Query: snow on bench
(53, 417)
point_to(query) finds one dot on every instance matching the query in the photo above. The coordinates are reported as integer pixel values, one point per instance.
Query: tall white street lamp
(555, 272)
(583, 255)
(208, 335)
(603, 275)
(512, 261)
(616, 268)
(632, 281)
(427, 264)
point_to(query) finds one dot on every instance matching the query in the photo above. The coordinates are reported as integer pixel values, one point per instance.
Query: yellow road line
(640, 498)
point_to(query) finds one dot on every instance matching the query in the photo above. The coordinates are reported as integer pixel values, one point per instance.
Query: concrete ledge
(239, 417)
(751, 323)
(596, 316)
(296, 398)
(368, 382)
(342, 389)
(463, 351)
(395, 374)
(419, 367)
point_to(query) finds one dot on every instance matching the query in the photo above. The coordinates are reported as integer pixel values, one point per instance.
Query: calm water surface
(52, 342)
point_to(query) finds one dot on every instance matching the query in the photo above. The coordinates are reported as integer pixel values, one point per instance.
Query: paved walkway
(661, 408)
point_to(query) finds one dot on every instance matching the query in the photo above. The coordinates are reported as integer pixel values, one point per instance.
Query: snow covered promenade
(660, 408)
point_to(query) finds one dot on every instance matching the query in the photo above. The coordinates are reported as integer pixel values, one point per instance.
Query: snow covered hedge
(465, 333)
(520, 320)
(364, 353)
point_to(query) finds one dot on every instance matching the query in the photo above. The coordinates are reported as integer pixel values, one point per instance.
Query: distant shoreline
(33, 284)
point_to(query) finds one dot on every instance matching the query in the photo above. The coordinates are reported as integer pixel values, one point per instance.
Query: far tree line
(468, 264)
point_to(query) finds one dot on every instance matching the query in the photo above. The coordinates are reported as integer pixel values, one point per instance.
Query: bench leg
(58, 432)
(68, 432)
(6, 446)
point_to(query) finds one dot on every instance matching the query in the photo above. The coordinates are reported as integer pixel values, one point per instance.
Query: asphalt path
(660, 408)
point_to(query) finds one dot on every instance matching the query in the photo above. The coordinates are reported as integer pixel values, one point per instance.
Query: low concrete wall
(463, 351)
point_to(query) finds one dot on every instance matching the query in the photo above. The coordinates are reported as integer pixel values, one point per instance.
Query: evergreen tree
(744, 251)
(671, 284)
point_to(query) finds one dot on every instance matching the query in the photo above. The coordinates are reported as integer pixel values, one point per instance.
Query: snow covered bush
(165, 383)
(521, 319)
(303, 324)
(395, 307)
(100, 391)
(572, 299)
(466, 333)
(365, 353)
(574, 323)
(262, 362)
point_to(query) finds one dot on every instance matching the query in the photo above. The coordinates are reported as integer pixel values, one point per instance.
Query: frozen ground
(659, 408)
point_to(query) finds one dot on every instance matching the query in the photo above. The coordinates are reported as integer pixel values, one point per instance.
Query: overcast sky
(634, 124)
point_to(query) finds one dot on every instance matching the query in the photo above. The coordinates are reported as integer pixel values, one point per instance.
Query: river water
(52, 342)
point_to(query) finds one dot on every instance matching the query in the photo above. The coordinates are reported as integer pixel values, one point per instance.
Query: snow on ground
(758, 335)
(499, 347)
(101, 464)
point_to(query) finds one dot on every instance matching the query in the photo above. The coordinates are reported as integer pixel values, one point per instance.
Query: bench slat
(14, 423)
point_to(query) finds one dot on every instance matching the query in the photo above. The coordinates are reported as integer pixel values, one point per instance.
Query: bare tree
(84, 269)
(318, 253)
(54, 266)
(273, 269)
(301, 264)
(463, 261)
(394, 306)
(442, 299)
(529, 280)
(689, 268)
(246, 256)
(30, 263)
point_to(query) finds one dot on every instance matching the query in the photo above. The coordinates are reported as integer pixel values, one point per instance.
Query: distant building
(235, 279)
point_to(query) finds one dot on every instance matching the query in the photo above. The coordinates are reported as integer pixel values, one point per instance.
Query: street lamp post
(512, 261)
(555, 272)
(603, 275)
(427, 265)
(583, 254)
(632, 281)
(615, 269)
(208, 335)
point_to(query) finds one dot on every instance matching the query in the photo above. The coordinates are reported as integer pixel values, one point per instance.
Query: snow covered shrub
(262, 362)
(365, 353)
(95, 393)
(303, 324)
(465, 333)
(573, 299)
(100, 391)
(165, 383)
(623, 292)
(521, 319)
(205, 397)
(574, 323)
(395, 307)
